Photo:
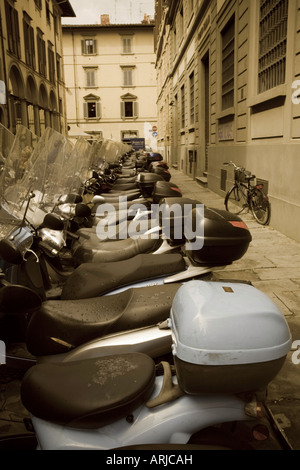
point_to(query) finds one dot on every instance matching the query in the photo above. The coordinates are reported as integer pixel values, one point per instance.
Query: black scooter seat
(114, 196)
(122, 228)
(59, 326)
(91, 393)
(125, 179)
(95, 279)
(97, 251)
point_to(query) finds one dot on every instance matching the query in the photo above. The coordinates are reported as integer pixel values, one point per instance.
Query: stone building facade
(111, 81)
(228, 85)
(32, 91)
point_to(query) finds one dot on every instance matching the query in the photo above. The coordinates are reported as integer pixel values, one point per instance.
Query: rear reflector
(238, 223)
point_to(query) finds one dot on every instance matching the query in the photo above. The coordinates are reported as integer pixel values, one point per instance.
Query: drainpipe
(75, 78)
(5, 73)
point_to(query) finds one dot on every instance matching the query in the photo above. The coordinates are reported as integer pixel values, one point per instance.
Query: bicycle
(245, 195)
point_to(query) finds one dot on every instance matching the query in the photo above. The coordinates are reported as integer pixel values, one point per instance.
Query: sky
(119, 11)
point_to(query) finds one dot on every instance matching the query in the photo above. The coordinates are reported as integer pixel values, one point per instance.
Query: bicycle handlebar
(234, 165)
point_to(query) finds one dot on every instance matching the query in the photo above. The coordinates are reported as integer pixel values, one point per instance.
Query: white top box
(227, 323)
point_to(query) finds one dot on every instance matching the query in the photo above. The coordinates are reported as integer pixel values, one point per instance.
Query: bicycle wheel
(260, 206)
(236, 199)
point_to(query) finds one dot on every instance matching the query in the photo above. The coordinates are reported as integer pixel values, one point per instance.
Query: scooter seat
(91, 393)
(59, 326)
(114, 195)
(111, 198)
(97, 251)
(124, 186)
(125, 179)
(95, 279)
(122, 228)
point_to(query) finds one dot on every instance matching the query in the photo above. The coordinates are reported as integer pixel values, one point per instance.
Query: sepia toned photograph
(149, 228)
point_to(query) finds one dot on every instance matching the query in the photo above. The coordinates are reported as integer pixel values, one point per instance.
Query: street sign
(154, 128)
(154, 134)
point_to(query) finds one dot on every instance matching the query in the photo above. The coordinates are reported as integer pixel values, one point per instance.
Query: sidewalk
(272, 265)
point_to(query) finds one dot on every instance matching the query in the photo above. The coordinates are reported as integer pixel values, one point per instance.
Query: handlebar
(232, 163)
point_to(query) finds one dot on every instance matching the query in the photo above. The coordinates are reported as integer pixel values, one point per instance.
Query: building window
(58, 67)
(91, 107)
(190, 6)
(51, 62)
(127, 135)
(127, 76)
(89, 46)
(129, 106)
(13, 34)
(41, 48)
(127, 45)
(48, 13)
(228, 64)
(90, 77)
(272, 43)
(181, 22)
(192, 98)
(38, 4)
(28, 41)
(182, 91)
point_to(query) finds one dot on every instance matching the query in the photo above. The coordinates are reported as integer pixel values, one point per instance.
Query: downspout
(5, 72)
(75, 78)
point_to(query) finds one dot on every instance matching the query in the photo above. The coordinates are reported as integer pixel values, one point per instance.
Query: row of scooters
(110, 307)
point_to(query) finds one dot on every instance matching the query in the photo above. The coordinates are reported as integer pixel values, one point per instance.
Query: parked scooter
(58, 330)
(23, 248)
(220, 374)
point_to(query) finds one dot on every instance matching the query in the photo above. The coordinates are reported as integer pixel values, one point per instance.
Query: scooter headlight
(52, 241)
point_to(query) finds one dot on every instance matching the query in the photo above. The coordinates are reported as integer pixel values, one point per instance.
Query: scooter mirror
(53, 222)
(17, 299)
(82, 210)
(10, 253)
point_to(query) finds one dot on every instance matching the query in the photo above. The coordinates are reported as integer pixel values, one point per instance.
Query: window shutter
(98, 110)
(85, 110)
(126, 45)
(95, 46)
(135, 109)
(122, 109)
(83, 46)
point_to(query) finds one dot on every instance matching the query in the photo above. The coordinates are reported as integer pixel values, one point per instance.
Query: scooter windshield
(12, 192)
(47, 177)
(6, 142)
